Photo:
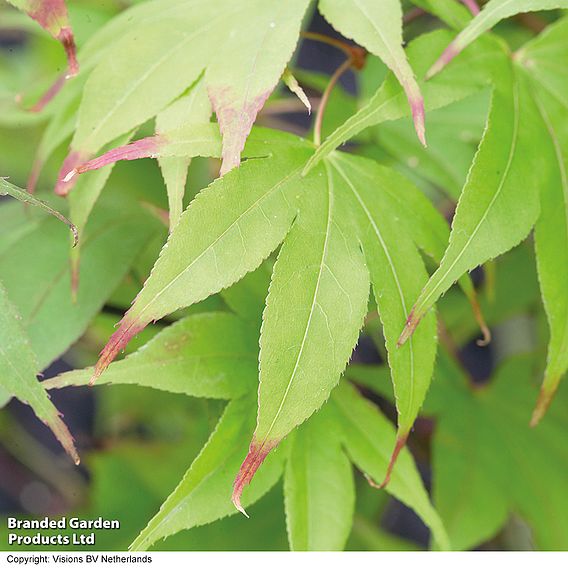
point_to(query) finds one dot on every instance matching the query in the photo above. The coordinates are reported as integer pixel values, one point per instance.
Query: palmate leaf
(318, 479)
(378, 28)
(254, 42)
(492, 13)
(488, 462)
(320, 283)
(18, 369)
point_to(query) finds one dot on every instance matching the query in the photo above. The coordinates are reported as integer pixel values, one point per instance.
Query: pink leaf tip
(256, 455)
(66, 178)
(65, 36)
(235, 118)
(417, 107)
(143, 148)
(117, 342)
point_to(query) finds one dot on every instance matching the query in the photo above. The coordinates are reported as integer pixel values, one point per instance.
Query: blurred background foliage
(136, 443)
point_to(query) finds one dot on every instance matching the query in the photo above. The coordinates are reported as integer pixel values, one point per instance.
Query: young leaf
(292, 83)
(319, 492)
(493, 12)
(216, 242)
(368, 438)
(186, 358)
(397, 274)
(254, 42)
(378, 28)
(18, 370)
(7, 188)
(192, 108)
(488, 462)
(499, 203)
(203, 495)
(314, 311)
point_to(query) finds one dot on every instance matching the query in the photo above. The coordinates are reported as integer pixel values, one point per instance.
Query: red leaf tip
(117, 342)
(256, 455)
(65, 36)
(143, 148)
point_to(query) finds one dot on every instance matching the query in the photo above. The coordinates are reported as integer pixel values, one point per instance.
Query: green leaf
(314, 311)
(368, 438)
(544, 60)
(192, 108)
(216, 242)
(492, 13)
(449, 11)
(246, 297)
(397, 274)
(429, 231)
(468, 75)
(18, 369)
(319, 492)
(453, 134)
(489, 462)
(499, 203)
(186, 358)
(41, 288)
(123, 92)
(203, 495)
(7, 188)
(378, 28)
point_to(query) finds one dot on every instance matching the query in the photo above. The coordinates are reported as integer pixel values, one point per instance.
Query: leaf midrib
(322, 265)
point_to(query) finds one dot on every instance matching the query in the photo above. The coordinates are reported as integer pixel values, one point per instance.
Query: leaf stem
(322, 38)
(325, 98)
